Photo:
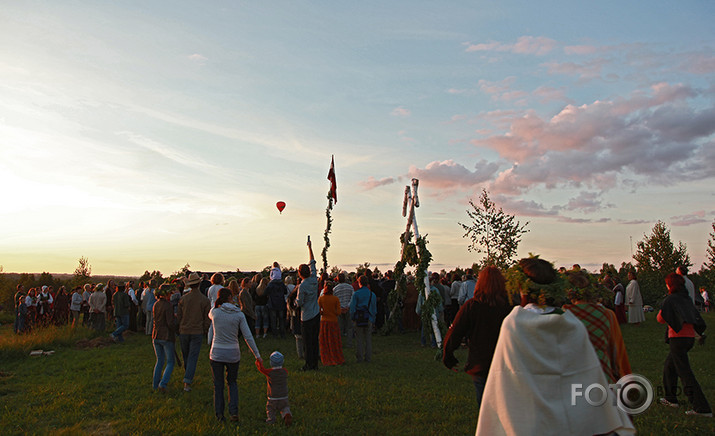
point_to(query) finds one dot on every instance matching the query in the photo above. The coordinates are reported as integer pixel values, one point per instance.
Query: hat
(275, 274)
(276, 359)
(44, 287)
(192, 279)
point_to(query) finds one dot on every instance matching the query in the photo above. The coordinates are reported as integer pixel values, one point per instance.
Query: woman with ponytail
(227, 321)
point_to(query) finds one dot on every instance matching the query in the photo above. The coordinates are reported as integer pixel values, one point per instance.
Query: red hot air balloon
(281, 205)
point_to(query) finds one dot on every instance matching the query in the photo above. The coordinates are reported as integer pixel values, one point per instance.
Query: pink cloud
(690, 219)
(372, 183)
(449, 175)
(401, 112)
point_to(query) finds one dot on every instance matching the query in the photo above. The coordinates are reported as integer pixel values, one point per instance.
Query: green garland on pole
(328, 227)
(414, 254)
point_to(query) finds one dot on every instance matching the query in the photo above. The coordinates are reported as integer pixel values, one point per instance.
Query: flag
(333, 183)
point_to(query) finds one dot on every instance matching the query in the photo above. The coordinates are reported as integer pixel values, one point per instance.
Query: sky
(148, 135)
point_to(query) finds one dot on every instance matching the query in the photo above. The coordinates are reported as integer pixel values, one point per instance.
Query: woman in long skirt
(331, 347)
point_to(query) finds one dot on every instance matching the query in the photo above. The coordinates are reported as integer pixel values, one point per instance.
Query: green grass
(403, 391)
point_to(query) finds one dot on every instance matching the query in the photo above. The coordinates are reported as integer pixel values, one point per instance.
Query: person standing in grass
(331, 347)
(121, 301)
(163, 337)
(479, 320)
(148, 300)
(245, 302)
(97, 308)
(684, 321)
(364, 301)
(310, 311)
(634, 300)
(75, 305)
(193, 320)
(20, 315)
(86, 314)
(344, 292)
(227, 321)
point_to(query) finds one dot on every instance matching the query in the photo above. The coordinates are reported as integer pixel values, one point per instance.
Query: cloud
(531, 45)
(587, 202)
(449, 175)
(372, 183)
(401, 112)
(655, 134)
(698, 217)
(585, 71)
(198, 58)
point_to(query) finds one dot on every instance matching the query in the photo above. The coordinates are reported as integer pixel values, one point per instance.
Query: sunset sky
(147, 135)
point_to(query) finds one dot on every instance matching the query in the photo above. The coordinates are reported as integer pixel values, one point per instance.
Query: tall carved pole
(411, 201)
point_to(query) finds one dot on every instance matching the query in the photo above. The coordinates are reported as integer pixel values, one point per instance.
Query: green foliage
(83, 272)
(656, 257)
(493, 232)
(656, 252)
(362, 268)
(326, 234)
(710, 262)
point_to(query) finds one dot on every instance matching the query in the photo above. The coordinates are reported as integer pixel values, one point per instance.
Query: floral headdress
(538, 279)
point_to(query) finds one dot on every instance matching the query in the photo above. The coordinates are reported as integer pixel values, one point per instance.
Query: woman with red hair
(683, 320)
(479, 320)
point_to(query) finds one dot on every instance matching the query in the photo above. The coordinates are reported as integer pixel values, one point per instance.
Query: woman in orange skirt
(331, 347)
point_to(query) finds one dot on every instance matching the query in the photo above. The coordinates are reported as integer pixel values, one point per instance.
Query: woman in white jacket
(226, 321)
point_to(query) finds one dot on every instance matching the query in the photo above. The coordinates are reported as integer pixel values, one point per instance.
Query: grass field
(402, 391)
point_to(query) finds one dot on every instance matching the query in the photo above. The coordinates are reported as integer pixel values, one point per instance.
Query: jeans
(164, 350)
(217, 370)
(311, 330)
(190, 348)
(479, 383)
(427, 333)
(278, 322)
(363, 337)
(263, 318)
(149, 326)
(122, 326)
(677, 365)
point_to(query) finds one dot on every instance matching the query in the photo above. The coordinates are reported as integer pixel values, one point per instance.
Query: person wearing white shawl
(541, 354)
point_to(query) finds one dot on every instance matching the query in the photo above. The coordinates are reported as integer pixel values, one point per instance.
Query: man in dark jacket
(193, 319)
(121, 302)
(277, 292)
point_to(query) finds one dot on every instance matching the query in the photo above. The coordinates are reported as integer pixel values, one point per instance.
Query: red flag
(333, 183)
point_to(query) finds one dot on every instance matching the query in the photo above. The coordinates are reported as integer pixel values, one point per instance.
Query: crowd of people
(526, 336)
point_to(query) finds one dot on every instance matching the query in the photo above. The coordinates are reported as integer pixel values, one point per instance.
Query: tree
(493, 232)
(83, 272)
(655, 258)
(658, 253)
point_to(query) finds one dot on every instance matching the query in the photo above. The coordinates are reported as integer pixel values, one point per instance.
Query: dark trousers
(132, 317)
(311, 330)
(217, 370)
(677, 365)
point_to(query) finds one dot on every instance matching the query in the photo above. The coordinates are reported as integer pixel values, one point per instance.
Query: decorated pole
(412, 201)
(332, 196)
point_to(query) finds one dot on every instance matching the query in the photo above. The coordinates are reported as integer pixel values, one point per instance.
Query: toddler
(277, 383)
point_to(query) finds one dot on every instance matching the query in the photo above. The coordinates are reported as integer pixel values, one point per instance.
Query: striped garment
(605, 335)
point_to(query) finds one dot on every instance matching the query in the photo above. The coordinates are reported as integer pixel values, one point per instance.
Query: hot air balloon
(281, 205)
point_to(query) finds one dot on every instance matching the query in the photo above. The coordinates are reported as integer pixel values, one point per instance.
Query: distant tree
(493, 232)
(362, 268)
(83, 272)
(46, 279)
(334, 271)
(154, 275)
(655, 258)
(657, 252)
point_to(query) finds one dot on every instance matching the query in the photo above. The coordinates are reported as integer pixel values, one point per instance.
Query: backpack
(362, 314)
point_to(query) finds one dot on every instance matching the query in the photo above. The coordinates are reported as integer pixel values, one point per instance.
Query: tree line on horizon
(491, 232)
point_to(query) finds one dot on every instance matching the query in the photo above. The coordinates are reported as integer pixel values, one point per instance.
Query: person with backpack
(277, 292)
(363, 310)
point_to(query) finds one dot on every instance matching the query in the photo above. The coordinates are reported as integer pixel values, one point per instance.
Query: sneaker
(265, 335)
(692, 412)
(187, 387)
(665, 402)
(288, 419)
